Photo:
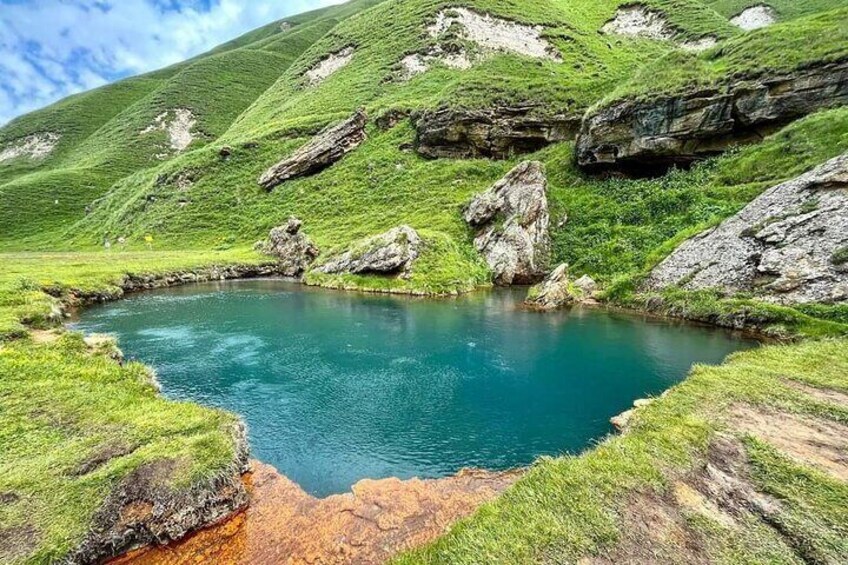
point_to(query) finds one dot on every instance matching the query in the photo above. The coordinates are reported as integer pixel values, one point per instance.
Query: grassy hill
(115, 174)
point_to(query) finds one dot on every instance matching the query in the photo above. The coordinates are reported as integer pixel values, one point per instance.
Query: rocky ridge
(789, 245)
(512, 222)
(497, 133)
(656, 133)
(326, 148)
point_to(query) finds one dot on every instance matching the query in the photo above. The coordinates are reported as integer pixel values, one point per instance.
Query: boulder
(789, 245)
(558, 291)
(496, 133)
(294, 249)
(325, 149)
(648, 135)
(392, 252)
(512, 222)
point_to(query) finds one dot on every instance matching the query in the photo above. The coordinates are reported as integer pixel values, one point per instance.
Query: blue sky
(52, 48)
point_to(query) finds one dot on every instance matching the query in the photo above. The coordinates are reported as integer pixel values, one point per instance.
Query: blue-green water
(336, 387)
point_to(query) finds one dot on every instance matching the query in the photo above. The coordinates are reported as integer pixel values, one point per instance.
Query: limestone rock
(587, 285)
(294, 250)
(391, 252)
(36, 146)
(755, 17)
(785, 245)
(325, 149)
(496, 133)
(637, 20)
(556, 291)
(512, 222)
(330, 65)
(680, 129)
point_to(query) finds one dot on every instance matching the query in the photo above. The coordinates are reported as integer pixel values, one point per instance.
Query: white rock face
(329, 65)
(755, 17)
(178, 124)
(789, 245)
(496, 34)
(638, 21)
(416, 64)
(36, 146)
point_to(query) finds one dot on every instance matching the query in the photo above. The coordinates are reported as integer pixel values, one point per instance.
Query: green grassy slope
(785, 9)
(101, 130)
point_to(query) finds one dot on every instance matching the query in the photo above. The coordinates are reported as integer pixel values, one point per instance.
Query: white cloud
(50, 49)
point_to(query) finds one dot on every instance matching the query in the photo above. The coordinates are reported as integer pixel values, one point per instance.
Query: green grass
(569, 507)
(816, 39)
(785, 9)
(62, 405)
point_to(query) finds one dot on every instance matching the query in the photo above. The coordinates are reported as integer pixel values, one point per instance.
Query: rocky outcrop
(178, 124)
(786, 245)
(392, 252)
(145, 510)
(369, 525)
(36, 146)
(294, 249)
(652, 134)
(638, 20)
(497, 133)
(558, 290)
(325, 149)
(330, 65)
(512, 222)
(755, 17)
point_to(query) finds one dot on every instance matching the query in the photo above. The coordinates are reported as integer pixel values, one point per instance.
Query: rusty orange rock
(285, 525)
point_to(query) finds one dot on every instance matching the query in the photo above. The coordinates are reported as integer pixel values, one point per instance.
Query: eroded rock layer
(512, 222)
(656, 133)
(496, 133)
(325, 149)
(144, 510)
(790, 244)
(283, 524)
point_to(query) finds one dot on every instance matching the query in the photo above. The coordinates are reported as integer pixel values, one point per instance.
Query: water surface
(336, 387)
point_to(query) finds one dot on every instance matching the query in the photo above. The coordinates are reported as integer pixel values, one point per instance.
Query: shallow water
(336, 387)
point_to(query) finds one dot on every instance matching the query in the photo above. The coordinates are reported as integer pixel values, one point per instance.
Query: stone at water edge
(391, 252)
(558, 291)
(325, 149)
(512, 222)
(785, 245)
(295, 250)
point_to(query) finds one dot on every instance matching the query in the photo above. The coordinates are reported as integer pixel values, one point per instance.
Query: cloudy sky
(52, 48)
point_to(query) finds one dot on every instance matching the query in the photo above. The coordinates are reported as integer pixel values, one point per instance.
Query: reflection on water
(336, 387)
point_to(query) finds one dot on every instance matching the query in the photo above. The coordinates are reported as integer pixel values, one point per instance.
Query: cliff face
(650, 135)
(790, 244)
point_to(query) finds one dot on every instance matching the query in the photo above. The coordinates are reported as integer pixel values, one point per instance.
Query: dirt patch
(44, 337)
(101, 457)
(822, 444)
(178, 125)
(826, 395)
(640, 21)
(654, 531)
(36, 146)
(495, 34)
(283, 524)
(755, 17)
(329, 65)
(17, 542)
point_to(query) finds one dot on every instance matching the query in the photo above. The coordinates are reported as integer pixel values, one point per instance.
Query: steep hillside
(435, 147)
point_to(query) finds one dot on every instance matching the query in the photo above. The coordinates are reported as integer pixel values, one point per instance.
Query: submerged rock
(325, 149)
(558, 291)
(294, 249)
(497, 133)
(790, 244)
(391, 252)
(656, 133)
(512, 222)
